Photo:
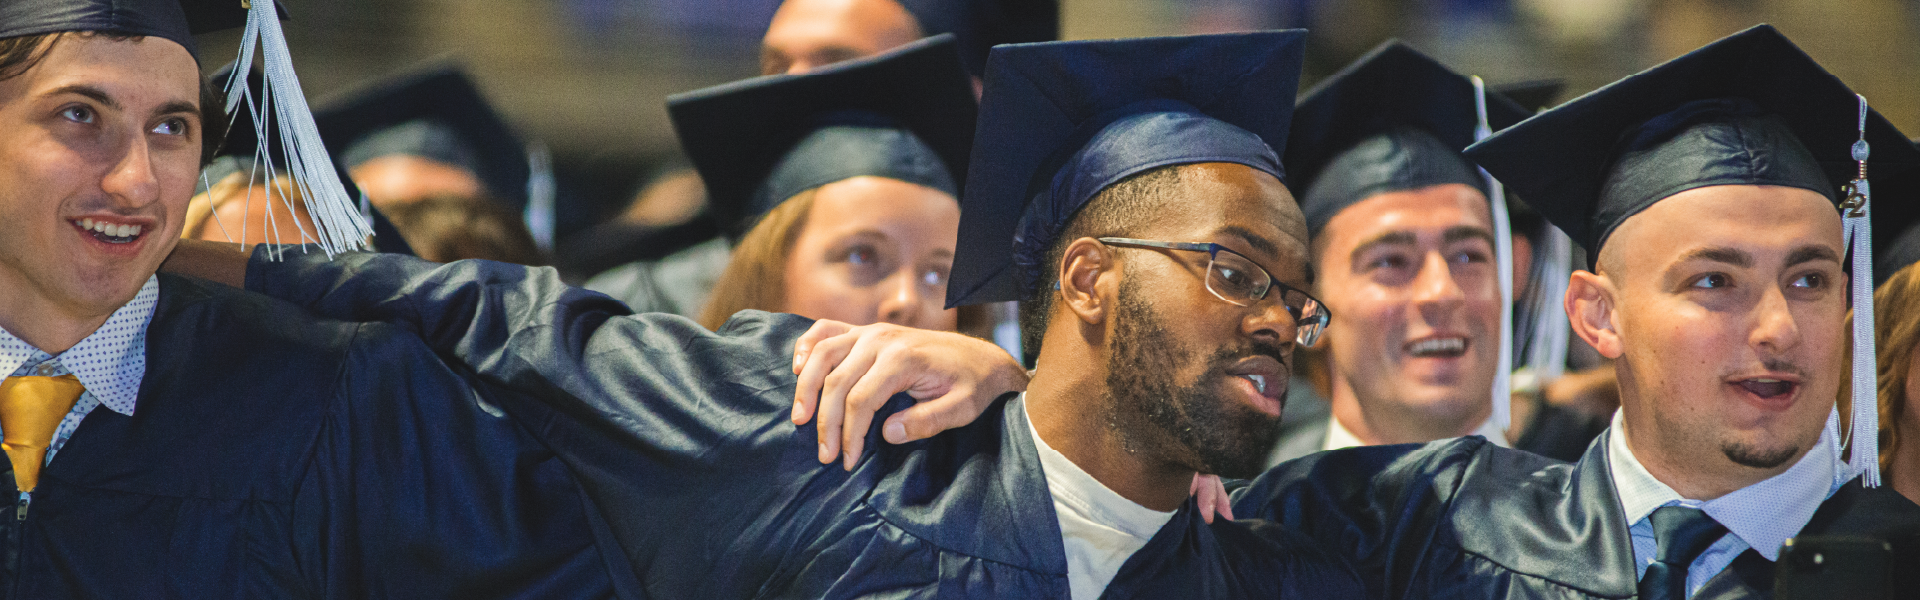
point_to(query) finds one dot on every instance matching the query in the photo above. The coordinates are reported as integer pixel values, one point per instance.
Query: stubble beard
(1188, 422)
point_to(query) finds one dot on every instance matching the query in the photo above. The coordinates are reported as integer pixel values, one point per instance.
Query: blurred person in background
(803, 35)
(844, 181)
(446, 228)
(1896, 308)
(237, 209)
(1404, 245)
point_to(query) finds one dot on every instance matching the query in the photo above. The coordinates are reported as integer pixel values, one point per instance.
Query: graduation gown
(1464, 518)
(276, 455)
(684, 442)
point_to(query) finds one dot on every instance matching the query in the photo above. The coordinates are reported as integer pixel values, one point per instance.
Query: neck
(1690, 476)
(1065, 404)
(47, 324)
(1380, 421)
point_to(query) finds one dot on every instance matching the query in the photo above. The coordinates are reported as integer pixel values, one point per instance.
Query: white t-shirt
(1101, 529)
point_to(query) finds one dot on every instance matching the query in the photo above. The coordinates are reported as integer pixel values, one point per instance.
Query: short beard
(1758, 458)
(1188, 424)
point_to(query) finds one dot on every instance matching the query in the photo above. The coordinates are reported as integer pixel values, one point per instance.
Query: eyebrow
(1807, 254)
(1460, 233)
(1731, 256)
(97, 94)
(1260, 244)
(101, 96)
(1391, 238)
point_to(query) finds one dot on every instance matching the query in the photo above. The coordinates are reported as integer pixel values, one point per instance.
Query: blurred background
(588, 77)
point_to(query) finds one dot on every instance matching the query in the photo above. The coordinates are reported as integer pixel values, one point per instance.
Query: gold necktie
(30, 409)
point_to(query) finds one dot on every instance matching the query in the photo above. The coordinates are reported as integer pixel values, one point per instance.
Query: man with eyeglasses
(1165, 355)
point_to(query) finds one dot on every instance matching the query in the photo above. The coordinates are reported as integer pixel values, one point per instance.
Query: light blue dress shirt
(110, 362)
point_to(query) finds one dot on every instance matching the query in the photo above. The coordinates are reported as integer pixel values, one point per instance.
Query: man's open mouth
(112, 233)
(1437, 347)
(1766, 388)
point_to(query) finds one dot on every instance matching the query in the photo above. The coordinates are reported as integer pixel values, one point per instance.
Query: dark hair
(1115, 211)
(447, 228)
(20, 54)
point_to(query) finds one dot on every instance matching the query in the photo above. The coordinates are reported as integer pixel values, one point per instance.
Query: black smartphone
(1833, 567)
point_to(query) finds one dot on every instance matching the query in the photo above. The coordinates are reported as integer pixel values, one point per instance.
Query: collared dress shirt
(1760, 516)
(109, 363)
(1339, 437)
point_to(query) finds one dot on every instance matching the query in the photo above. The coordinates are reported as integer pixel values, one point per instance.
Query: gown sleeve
(1380, 507)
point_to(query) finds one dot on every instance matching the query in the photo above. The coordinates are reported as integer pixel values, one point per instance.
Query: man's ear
(1088, 280)
(1590, 309)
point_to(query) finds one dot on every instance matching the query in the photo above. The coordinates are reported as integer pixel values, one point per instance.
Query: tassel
(338, 227)
(1864, 432)
(540, 195)
(1547, 349)
(1503, 259)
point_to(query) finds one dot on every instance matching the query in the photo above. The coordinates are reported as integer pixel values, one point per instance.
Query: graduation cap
(1061, 121)
(1533, 95)
(338, 226)
(979, 25)
(243, 152)
(433, 112)
(1397, 120)
(1896, 223)
(175, 20)
(1393, 120)
(905, 114)
(1750, 109)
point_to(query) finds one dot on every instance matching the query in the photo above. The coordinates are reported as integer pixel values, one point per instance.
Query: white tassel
(1864, 432)
(338, 227)
(1503, 259)
(540, 195)
(1547, 352)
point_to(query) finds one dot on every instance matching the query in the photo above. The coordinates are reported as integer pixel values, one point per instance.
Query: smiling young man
(172, 438)
(1179, 258)
(1706, 189)
(1403, 240)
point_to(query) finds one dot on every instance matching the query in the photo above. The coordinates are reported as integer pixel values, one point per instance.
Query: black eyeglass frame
(1308, 328)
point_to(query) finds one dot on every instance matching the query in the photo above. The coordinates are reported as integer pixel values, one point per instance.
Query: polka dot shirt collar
(110, 363)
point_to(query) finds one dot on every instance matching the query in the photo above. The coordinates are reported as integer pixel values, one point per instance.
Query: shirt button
(46, 369)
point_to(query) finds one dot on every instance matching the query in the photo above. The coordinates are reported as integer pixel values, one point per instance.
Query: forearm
(213, 261)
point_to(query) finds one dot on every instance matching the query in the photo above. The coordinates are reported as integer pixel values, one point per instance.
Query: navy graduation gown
(274, 455)
(1463, 518)
(683, 440)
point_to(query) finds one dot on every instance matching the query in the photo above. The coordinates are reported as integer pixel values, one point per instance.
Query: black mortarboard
(1533, 95)
(905, 114)
(1748, 109)
(434, 112)
(1896, 223)
(1061, 121)
(176, 20)
(979, 25)
(1393, 120)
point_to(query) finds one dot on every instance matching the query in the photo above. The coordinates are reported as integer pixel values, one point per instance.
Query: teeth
(1259, 382)
(109, 229)
(1767, 380)
(1438, 345)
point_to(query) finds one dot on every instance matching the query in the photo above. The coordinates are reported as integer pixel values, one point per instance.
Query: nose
(900, 299)
(1435, 293)
(1270, 321)
(1774, 328)
(131, 183)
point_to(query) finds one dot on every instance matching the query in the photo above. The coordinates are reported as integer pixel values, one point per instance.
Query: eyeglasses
(1237, 280)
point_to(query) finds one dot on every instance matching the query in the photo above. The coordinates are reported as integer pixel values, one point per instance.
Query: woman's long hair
(756, 275)
(1896, 334)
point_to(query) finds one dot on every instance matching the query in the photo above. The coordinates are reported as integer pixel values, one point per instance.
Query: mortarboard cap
(1393, 120)
(175, 20)
(434, 112)
(1533, 95)
(1061, 121)
(905, 114)
(1749, 109)
(1896, 223)
(979, 25)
